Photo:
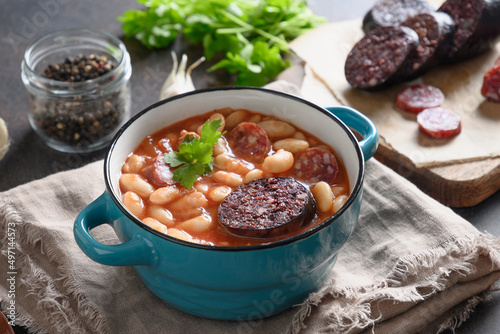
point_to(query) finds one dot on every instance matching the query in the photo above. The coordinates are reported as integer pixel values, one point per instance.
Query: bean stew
(270, 180)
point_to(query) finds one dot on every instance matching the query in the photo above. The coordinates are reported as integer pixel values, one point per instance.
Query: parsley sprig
(194, 156)
(252, 35)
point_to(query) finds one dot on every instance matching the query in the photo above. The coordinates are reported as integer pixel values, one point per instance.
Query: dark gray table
(29, 159)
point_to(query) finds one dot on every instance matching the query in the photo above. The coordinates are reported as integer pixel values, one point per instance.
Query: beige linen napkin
(411, 265)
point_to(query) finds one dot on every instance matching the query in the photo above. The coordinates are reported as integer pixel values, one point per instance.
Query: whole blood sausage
(478, 27)
(491, 83)
(435, 32)
(159, 172)
(391, 13)
(439, 123)
(380, 57)
(267, 207)
(416, 98)
(249, 141)
(314, 165)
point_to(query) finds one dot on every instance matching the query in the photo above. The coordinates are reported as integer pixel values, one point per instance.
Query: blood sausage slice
(391, 13)
(267, 207)
(435, 32)
(439, 123)
(314, 165)
(478, 27)
(416, 98)
(249, 141)
(381, 57)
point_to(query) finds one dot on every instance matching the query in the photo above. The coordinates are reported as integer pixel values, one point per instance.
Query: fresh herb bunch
(194, 156)
(252, 34)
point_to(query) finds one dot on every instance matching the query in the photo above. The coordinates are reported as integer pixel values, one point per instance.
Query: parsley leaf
(194, 155)
(250, 37)
(209, 132)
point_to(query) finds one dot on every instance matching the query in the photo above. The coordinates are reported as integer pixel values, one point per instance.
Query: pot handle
(137, 251)
(362, 124)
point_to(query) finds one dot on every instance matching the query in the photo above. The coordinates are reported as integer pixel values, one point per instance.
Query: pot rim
(307, 233)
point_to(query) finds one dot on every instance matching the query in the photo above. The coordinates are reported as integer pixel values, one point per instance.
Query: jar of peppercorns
(78, 88)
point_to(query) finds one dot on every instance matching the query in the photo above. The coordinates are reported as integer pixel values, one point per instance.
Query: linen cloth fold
(411, 266)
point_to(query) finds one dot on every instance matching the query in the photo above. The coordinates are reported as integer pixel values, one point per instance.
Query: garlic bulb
(179, 80)
(4, 139)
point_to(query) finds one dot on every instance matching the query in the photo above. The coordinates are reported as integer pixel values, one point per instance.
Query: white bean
(323, 195)
(232, 164)
(164, 195)
(339, 202)
(312, 142)
(219, 193)
(195, 126)
(161, 214)
(299, 135)
(254, 174)
(255, 119)
(133, 164)
(153, 223)
(291, 145)
(137, 184)
(215, 116)
(223, 161)
(190, 201)
(337, 190)
(275, 128)
(198, 130)
(188, 213)
(279, 162)
(196, 224)
(175, 233)
(227, 178)
(235, 118)
(220, 147)
(134, 203)
(211, 119)
(201, 187)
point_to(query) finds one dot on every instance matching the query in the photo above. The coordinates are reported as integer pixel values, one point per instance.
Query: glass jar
(77, 116)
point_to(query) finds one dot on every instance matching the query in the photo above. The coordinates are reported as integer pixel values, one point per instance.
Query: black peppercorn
(73, 70)
(85, 119)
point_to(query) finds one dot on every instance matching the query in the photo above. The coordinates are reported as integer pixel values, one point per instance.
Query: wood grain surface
(456, 185)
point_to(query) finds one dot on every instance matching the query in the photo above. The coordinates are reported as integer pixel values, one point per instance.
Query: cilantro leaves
(252, 35)
(194, 156)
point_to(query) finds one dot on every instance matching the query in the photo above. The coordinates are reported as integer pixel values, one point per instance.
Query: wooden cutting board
(457, 182)
(455, 185)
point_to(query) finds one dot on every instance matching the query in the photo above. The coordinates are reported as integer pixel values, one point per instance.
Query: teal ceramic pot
(232, 283)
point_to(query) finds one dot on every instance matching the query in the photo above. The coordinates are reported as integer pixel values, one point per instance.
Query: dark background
(28, 159)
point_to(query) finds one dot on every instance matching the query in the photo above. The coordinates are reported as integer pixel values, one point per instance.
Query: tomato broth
(253, 146)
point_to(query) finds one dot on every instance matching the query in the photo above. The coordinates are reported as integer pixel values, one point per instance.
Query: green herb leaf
(253, 35)
(194, 156)
(209, 133)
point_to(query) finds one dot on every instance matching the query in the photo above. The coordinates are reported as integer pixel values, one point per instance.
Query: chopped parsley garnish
(194, 156)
